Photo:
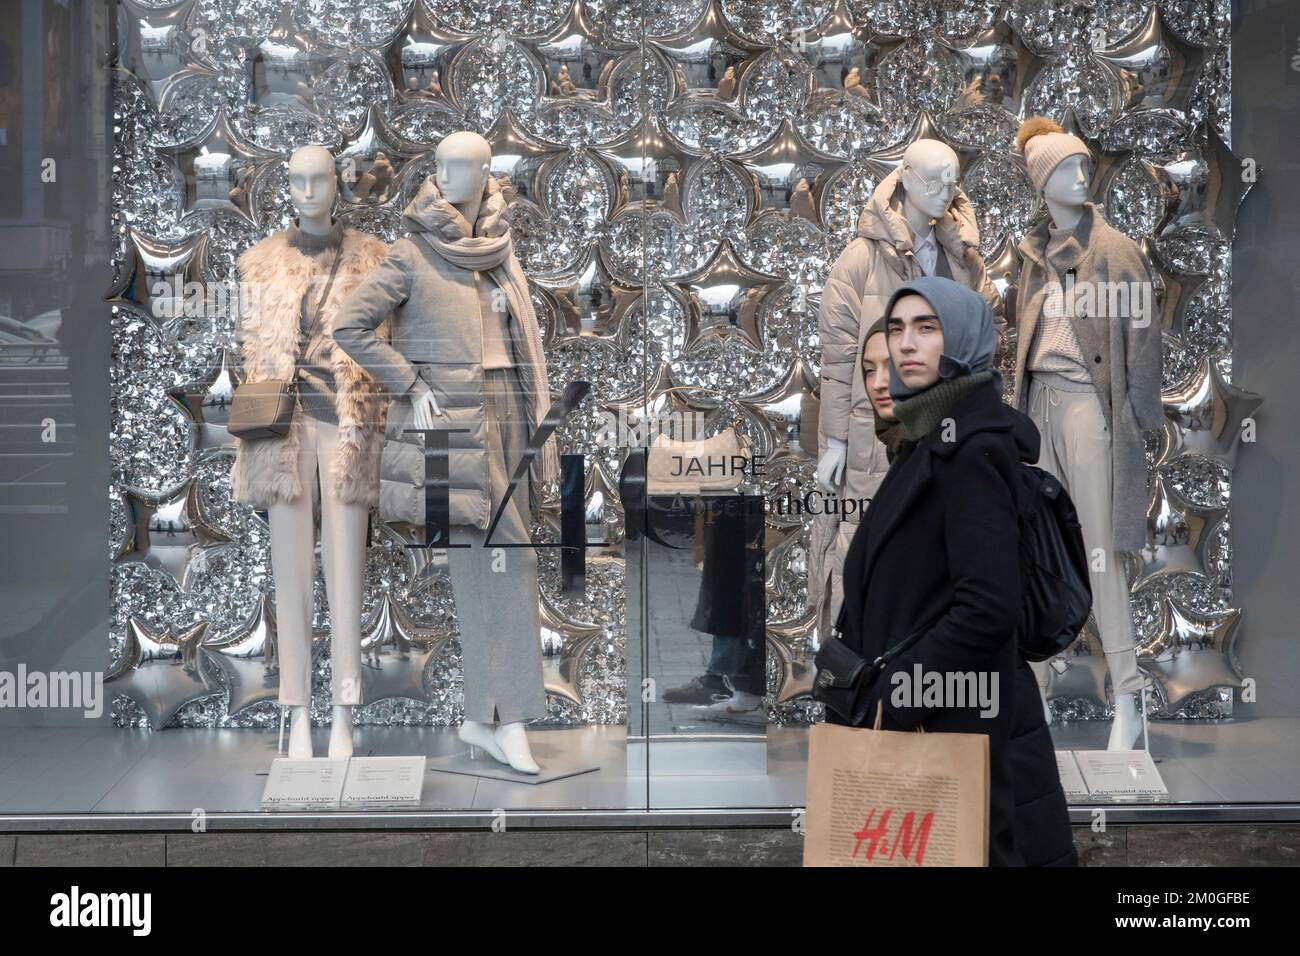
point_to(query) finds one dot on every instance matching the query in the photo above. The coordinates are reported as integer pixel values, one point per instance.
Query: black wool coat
(938, 552)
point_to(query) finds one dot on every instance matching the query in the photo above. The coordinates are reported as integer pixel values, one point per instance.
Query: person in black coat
(937, 555)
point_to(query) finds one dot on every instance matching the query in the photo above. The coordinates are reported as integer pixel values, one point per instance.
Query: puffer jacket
(436, 334)
(860, 283)
(265, 470)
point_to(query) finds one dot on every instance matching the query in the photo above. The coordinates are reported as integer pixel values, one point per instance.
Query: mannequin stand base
(555, 765)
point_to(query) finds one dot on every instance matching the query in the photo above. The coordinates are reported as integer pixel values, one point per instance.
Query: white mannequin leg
(299, 733)
(293, 562)
(1127, 727)
(341, 732)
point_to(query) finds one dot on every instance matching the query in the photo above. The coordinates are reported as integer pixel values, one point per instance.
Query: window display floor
(104, 778)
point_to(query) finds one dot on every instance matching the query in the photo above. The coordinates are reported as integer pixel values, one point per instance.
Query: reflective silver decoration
(677, 200)
(159, 670)
(246, 663)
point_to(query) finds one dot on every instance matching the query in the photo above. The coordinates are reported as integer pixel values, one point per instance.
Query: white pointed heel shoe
(513, 741)
(480, 737)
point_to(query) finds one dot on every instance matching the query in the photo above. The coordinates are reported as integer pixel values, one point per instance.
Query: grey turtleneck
(315, 376)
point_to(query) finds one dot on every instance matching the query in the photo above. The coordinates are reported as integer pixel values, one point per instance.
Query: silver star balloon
(374, 163)
(207, 401)
(1207, 185)
(156, 43)
(1212, 412)
(160, 275)
(725, 294)
(1197, 655)
(285, 66)
(1178, 533)
(169, 532)
(160, 670)
(1156, 70)
(564, 645)
(216, 164)
(247, 662)
(1076, 679)
(420, 58)
(797, 671)
(394, 653)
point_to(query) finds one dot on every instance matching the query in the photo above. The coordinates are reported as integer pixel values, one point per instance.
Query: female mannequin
(1090, 379)
(329, 461)
(466, 353)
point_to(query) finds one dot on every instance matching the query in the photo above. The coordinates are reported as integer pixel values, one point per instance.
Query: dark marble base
(1129, 845)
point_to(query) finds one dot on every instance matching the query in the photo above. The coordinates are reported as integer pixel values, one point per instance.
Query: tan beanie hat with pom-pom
(1045, 144)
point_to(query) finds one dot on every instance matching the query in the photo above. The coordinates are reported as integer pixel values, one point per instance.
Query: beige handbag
(714, 465)
(262, 410)
(265, 409)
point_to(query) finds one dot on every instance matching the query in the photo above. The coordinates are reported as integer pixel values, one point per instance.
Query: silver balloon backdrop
(683, 173)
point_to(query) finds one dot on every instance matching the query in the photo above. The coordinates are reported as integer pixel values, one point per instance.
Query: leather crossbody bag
(845, 678)
(265, 409)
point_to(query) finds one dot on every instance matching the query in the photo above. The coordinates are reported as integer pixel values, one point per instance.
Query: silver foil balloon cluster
(681, 176)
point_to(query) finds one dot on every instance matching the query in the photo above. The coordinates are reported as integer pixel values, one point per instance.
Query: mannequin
(332, 451)
(466, 352)
(917, 222)
(1088, 372)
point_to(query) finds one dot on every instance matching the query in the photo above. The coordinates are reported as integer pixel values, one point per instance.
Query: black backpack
(1056, 595)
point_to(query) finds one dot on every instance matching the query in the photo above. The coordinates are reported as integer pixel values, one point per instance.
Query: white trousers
(1076, 450)
(293, 561)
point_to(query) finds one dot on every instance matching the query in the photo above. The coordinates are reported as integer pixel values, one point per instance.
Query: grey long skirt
(495, 589)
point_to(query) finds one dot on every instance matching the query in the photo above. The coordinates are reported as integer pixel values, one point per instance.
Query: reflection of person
(729, 609)
(938, 554)
(875, 374)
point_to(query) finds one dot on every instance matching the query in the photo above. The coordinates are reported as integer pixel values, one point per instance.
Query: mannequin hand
(830, 470)
(424, 405)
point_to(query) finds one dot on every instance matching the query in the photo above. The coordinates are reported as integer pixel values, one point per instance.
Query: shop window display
(702, 202)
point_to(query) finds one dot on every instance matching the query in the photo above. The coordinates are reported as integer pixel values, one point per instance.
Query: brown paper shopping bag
(888, 798)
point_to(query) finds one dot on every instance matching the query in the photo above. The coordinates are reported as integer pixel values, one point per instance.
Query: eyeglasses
(935, 186)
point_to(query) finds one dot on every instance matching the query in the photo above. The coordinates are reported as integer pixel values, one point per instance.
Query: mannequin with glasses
(917, 222)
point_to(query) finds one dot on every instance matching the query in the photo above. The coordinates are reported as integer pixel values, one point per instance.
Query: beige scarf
(488, 247)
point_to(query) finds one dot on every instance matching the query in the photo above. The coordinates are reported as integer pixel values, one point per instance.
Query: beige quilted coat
(871, 268)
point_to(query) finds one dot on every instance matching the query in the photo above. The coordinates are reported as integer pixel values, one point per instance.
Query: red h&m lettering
(906, 837)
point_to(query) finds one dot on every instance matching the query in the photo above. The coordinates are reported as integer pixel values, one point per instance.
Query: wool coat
(1121, 352)
(937, 553)
(867, 273)
(277, 276)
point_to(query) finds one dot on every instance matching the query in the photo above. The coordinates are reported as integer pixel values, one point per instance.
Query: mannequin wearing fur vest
(265, 470)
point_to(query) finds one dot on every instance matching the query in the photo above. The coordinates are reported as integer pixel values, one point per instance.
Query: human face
(915, 341)
(875, 372)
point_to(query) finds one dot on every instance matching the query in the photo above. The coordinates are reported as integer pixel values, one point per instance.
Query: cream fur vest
(277, 276)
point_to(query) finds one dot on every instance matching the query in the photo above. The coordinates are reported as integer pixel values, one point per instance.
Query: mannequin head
(313, 184)
(463, 160)
(915, 337)
(930, 171)
(1068, 184)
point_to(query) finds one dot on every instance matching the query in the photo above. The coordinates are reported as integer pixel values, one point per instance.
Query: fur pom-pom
(1034, 126)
